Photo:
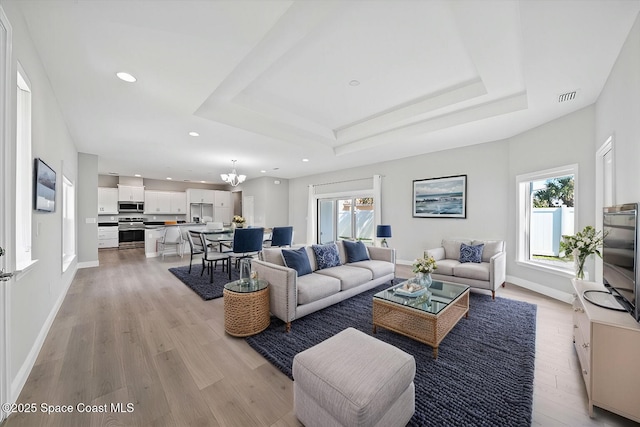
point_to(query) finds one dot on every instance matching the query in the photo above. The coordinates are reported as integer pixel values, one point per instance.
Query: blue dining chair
(247, 242)
(281, 236)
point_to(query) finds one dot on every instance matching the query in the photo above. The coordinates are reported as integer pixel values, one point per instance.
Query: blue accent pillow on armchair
(471, 253)
(356, 251)
(298, 260)
(326, 255)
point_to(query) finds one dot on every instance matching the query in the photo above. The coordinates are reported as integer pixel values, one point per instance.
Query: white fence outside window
(547, 227)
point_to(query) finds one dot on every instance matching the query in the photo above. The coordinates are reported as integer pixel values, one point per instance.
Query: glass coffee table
(427, 317)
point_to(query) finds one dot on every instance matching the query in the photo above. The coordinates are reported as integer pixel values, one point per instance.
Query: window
(68, 223)
(346, 218)
(24, 173)
(546, 211)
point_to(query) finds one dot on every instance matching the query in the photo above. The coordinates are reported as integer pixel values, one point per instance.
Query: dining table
(224, 239)
(219, 237)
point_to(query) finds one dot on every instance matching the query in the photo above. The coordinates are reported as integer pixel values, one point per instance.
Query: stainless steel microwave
(130, 207)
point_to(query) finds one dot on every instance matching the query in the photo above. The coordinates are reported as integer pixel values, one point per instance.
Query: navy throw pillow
(298, 260)
(471, 253)
(356, 251)
(326, 255)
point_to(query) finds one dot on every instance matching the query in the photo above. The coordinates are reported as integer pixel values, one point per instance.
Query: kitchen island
(155, 230)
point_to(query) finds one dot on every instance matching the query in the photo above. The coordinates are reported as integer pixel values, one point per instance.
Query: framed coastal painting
(444, 197)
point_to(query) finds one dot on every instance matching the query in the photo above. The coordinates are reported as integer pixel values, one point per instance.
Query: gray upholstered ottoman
(352, 379)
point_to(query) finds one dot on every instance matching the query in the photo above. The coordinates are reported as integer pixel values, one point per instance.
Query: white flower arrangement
(238, 219)
(584, 243)
(426, 264)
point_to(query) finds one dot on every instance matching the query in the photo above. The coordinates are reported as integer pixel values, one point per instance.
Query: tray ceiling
(341, 83)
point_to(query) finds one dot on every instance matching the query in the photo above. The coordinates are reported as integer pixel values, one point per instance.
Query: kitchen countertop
(162, 224)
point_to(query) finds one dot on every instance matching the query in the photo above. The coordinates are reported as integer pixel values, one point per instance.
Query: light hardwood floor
(130, 332)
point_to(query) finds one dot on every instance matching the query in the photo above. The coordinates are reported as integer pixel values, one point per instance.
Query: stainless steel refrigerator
(201, 212)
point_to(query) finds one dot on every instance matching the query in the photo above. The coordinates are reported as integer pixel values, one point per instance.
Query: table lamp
(383, 231)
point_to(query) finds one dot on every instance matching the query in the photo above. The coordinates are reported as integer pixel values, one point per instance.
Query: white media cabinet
(608, 347)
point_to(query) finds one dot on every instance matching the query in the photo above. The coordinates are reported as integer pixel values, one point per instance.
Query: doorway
(237, 203)
(5, 226)
(605, 188)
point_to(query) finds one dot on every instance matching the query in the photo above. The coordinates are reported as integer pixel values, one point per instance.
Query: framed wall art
(44, 192)
(444, 197)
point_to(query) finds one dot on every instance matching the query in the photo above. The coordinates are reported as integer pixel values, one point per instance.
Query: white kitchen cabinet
(157, 202)
(198, 195)
(608, 344)
(107, 237)
(222, 214)
(107, 201)
(127, 193)
(165, 202)
(179, 203)
(222, 199)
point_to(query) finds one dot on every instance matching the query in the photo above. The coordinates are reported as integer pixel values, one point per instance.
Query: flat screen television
(44, 187)
(620, 255)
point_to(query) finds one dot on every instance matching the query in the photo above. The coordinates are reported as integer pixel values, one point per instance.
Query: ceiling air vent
(569, 96)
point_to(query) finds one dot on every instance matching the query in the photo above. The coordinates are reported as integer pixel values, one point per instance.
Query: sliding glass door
(346, 218)
(326, 222)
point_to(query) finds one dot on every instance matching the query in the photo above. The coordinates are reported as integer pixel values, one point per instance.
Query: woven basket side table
(246, 308)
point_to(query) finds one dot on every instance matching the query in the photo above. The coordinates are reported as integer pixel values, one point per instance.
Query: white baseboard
(23, 374)
(544, 290)
(89, 264)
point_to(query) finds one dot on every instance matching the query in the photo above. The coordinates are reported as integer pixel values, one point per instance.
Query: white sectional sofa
(486, 271)
(293, 296)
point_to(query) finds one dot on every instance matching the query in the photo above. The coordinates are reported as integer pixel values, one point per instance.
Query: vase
(424, 279)
(579, 266)
(245, 271)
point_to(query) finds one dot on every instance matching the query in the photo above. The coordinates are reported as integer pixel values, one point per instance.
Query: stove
(131, 233)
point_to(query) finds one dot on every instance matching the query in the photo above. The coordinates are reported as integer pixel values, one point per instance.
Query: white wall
(564, 141)
(618, 114)
(270, 200)
(87, 203)
(35, 297)
(491, 170)
(485, 166)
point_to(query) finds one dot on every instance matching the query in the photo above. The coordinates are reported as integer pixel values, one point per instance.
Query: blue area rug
(483, 375)
(201, 284)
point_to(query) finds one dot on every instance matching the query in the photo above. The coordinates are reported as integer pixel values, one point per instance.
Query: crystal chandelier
(233, 178)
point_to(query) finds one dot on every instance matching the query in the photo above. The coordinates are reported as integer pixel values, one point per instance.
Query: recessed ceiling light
(263, 171)
(169, 178)
(354, 83)
(305, 160)
(194, 133)
(202, 182)
(137, 175)
(126, 77)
